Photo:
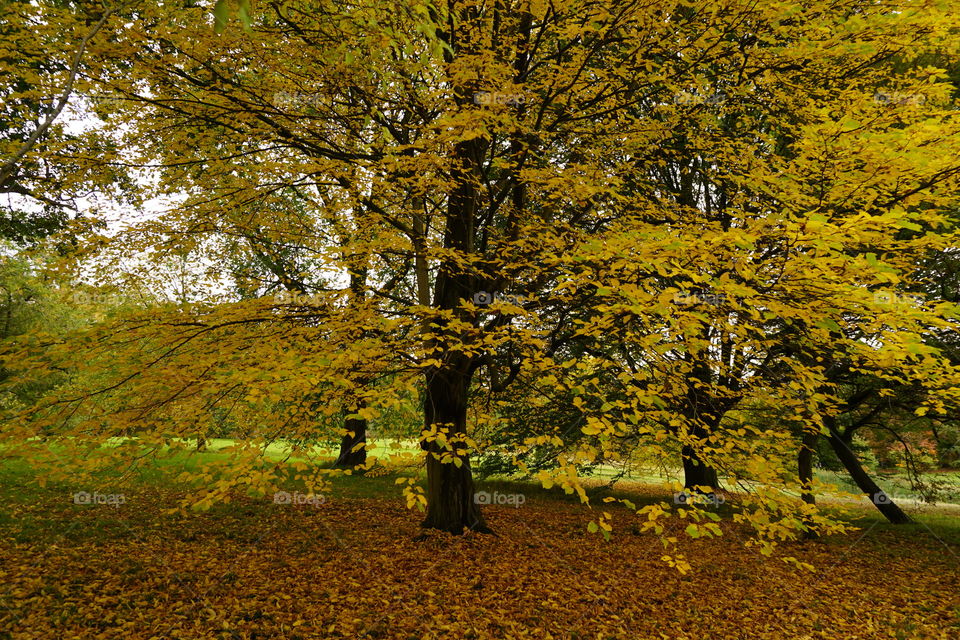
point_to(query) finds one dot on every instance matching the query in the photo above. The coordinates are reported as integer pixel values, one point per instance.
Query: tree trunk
(881, 500)
(805, 475)
(703, 419)
(695, 471)
(450, 493)
(805, 467)
(352, 455)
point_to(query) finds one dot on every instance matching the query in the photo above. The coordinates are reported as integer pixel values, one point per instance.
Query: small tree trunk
(805, 467)
(353, 451)
(805, 475)
(450, 492)
(881, 500)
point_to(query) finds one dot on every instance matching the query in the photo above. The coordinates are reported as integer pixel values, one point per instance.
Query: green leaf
(830, 324)
(221, 14)
(244, 13)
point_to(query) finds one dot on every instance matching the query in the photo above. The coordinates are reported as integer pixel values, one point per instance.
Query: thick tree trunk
(695, 471)
(701, 414)
(881, 500)
(352, 451)
(450, 492)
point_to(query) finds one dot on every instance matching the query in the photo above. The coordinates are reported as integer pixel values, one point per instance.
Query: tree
(518, 183)
(47, 170)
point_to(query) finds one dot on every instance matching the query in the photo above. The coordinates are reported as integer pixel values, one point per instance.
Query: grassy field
(357, 566)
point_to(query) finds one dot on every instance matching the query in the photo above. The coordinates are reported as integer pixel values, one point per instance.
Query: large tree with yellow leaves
(700, 196)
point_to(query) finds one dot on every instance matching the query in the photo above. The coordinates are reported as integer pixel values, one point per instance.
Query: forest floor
(357, 566)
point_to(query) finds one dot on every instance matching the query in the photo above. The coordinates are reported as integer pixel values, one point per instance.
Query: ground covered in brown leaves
(357, 569)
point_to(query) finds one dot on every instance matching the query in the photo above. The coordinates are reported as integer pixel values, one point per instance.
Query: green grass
(19, 490)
